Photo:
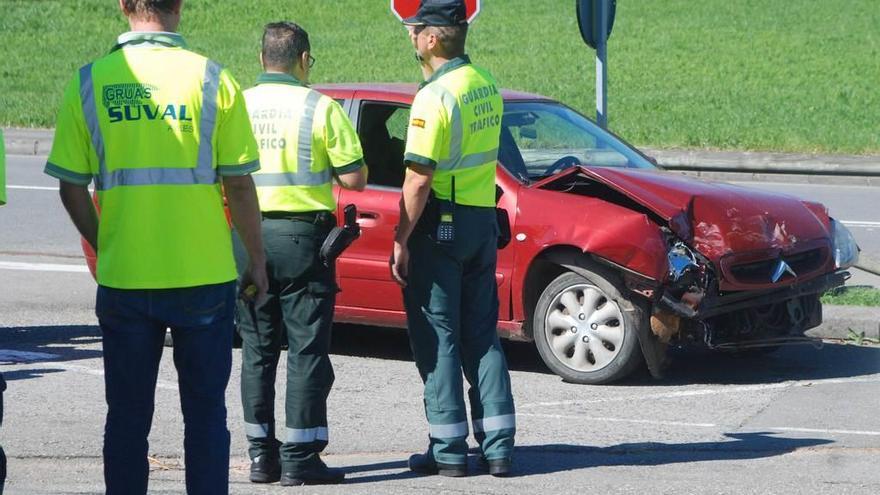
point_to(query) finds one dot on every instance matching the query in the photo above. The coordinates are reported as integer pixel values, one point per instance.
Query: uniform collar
(161, 38)
(446, 68)
(278, 78)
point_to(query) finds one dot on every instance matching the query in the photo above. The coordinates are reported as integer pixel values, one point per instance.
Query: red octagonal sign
(408, 8)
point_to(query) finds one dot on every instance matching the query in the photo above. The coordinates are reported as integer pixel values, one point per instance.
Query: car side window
(382, 130)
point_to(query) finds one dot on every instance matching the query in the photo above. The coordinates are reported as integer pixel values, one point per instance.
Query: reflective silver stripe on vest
(306, 435)
(203, 173)
(90, 111)
(256, 430)
(494, 423)
(470, 161)
(304, 159)
(457, 130)
(449, 431)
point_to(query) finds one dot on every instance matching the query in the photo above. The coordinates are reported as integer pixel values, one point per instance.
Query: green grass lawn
(853, 296)
(784, 75)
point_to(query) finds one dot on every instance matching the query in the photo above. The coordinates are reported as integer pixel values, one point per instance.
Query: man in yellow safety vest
(445, 250)
(157, 128)
(306, 143)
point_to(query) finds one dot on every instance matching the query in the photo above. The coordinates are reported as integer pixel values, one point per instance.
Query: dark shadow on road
(49, 344)
(378, 466)
(686, 366)
(702, 366)
(553, 458)
(393, 343)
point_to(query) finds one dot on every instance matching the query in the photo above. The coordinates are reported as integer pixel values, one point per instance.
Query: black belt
(313, 217)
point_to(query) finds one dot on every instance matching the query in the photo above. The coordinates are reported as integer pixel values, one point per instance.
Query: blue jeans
(133, 324)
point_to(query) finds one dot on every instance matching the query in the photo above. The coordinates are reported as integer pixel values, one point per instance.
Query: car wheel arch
(554, 261)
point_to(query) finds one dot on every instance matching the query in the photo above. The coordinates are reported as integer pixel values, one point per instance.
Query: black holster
(340, 238)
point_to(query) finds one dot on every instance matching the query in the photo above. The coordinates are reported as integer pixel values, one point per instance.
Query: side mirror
(528, 132)
(653, 161)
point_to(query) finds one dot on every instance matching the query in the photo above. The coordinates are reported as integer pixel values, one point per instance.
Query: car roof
(407, 90)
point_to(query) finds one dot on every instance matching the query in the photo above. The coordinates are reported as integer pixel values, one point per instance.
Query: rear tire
(582, 331)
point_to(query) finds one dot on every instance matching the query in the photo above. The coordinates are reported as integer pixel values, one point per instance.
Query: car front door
(369, 294)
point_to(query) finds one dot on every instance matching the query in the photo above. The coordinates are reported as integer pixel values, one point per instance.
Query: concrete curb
(765, 162)
(28, 141)
(838, 320)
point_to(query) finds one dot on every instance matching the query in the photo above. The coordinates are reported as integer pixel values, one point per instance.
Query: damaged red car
(612, 259)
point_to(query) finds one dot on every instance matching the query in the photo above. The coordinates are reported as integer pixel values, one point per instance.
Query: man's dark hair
(283, 43)
(451, 38)
(150, 8)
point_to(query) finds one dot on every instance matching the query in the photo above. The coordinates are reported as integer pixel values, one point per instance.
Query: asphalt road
(800, 421)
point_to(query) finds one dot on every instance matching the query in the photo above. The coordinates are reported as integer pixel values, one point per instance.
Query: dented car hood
(716, 219)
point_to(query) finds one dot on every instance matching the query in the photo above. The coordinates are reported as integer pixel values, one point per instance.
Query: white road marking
(818, 430)
(620, 420)
(854, 223)
(42, 267)
(33, 188)
(97, 372)
(700, 425)
(705, 392)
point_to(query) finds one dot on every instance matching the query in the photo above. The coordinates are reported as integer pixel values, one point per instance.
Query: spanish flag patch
(417, 123)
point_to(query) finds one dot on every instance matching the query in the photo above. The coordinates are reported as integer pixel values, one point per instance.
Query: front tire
(583, 331)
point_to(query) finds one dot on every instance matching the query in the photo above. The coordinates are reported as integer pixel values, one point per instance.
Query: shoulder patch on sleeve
(417, 123)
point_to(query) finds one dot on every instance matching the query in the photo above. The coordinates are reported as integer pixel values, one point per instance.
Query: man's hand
(242, 198)
(414, 195)
(254, 282)
(400, 263)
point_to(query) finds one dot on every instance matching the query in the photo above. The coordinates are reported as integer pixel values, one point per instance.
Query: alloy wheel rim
(584, 328)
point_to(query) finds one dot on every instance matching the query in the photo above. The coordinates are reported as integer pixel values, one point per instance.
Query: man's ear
(304, 60)
(432, 40)
(176, 9)
(122, 8)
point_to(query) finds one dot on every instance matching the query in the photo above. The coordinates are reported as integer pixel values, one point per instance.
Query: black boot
(496, 467)
(319, 474)
(425, 464)
(265, 469)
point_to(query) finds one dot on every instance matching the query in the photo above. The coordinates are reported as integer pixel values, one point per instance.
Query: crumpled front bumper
(716, 305)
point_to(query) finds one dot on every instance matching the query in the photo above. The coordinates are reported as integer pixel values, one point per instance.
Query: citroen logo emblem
(781, 269)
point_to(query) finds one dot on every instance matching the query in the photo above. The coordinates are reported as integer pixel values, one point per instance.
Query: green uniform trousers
(451, 303)
(298, 311)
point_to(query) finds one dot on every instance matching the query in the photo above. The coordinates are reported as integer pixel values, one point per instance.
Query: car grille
(757, 269)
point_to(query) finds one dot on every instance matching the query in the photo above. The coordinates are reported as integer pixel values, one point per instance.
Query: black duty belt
(313, 217)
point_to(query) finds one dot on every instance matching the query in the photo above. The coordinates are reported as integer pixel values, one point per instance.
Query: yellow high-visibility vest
(154, 125)
(305, 139)
(454, 128)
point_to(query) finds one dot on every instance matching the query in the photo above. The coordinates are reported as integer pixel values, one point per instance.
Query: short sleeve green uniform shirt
(454, 128)
(305, 138)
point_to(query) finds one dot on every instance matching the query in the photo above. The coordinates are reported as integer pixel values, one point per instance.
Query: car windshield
(541, 138)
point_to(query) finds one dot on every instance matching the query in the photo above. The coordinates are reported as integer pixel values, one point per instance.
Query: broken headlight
(684, 271)
(846, 251)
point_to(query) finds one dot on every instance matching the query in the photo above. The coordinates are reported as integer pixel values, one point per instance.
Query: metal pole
(602, 66)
